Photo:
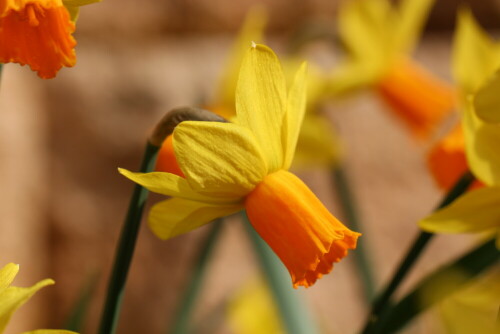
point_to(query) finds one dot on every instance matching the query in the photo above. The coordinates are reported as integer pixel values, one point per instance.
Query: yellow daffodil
(379, 38)
(39, 33)
(473, 309)
(11, 298)
(317, 143)
(477, 210)
(475, 57)
(243, 165)
(252, 311)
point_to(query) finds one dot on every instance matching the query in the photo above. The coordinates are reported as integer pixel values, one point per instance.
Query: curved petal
(296, 108)
(487, 100)
(170, 185)
(476, 211)
(261, 101)
(7, 274)
(13, 297)
(176, 216)
(475, 55)
(220, 159)
(481, 144)
(412, 17)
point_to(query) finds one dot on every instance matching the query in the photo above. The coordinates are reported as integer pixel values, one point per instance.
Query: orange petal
(301, 231)
(417, 97)
(166, 161)
(447, 160)
(37, 34)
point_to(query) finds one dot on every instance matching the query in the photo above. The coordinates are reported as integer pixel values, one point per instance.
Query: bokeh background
(61, 141)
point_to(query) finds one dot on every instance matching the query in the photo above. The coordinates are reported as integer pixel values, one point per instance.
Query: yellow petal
(487, 100)
(365, 27)
(7, 274)
(169, 185)
(476, 211)
(261, 101)
(176, 216)
(73, 7)
(481, 144)
(296, 109)
(350, 76)
(13, 297)
(412, 17)
(252, 30)
(220, 159)
(475, 55)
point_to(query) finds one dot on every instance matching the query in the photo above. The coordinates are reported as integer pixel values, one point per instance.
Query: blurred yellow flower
(475, 57)
(38, 33)
(243, 165)
(379, 38)
(473, 309)
(11, 298)
(252, 311)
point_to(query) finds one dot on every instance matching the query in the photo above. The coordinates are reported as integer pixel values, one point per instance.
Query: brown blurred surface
(63, 139)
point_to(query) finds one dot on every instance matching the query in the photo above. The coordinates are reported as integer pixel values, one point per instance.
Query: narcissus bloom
(477, 210)
(12, 297)
(475, 57)
(38, 33)
(243, 165)
(379, 39)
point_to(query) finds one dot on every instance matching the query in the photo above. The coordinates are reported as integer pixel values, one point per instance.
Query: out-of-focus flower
(252, 311)
(317, 145)
(379, 38)
(475, 57)
(12, 297)
(473, 309)
(477, 210)
(243, 165)
(38, 33)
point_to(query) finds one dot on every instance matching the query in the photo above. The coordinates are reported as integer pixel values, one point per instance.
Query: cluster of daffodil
(214, 169)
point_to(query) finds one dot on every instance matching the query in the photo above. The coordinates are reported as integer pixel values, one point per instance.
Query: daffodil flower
(477, 210)
(317, 145)
(39, 33)
(243, 165)
(475, 57)
(379, 38)
(12, 297)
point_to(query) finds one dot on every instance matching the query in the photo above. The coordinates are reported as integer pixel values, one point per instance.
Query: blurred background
(61, 141)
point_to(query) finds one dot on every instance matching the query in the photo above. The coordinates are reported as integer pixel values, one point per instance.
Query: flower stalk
(383, 300)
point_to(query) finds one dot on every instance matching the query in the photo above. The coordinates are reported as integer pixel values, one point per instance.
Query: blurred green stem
(126, 247)
(296, 318)
(181, 320)
(412, 255)
(76, 318)
(349, 208)
(437, 286)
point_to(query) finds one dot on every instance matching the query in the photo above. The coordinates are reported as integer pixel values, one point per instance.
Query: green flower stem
(125, 248)
(437, 286)
(77, 316)
(360, 256)
(296, 318)
(412, 255)
(181, 320)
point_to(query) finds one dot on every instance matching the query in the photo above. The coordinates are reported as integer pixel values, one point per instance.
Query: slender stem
(181, 321)
(412, 255)
(467, 266)
(295, 315)
(125, 248)
(349, 207)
